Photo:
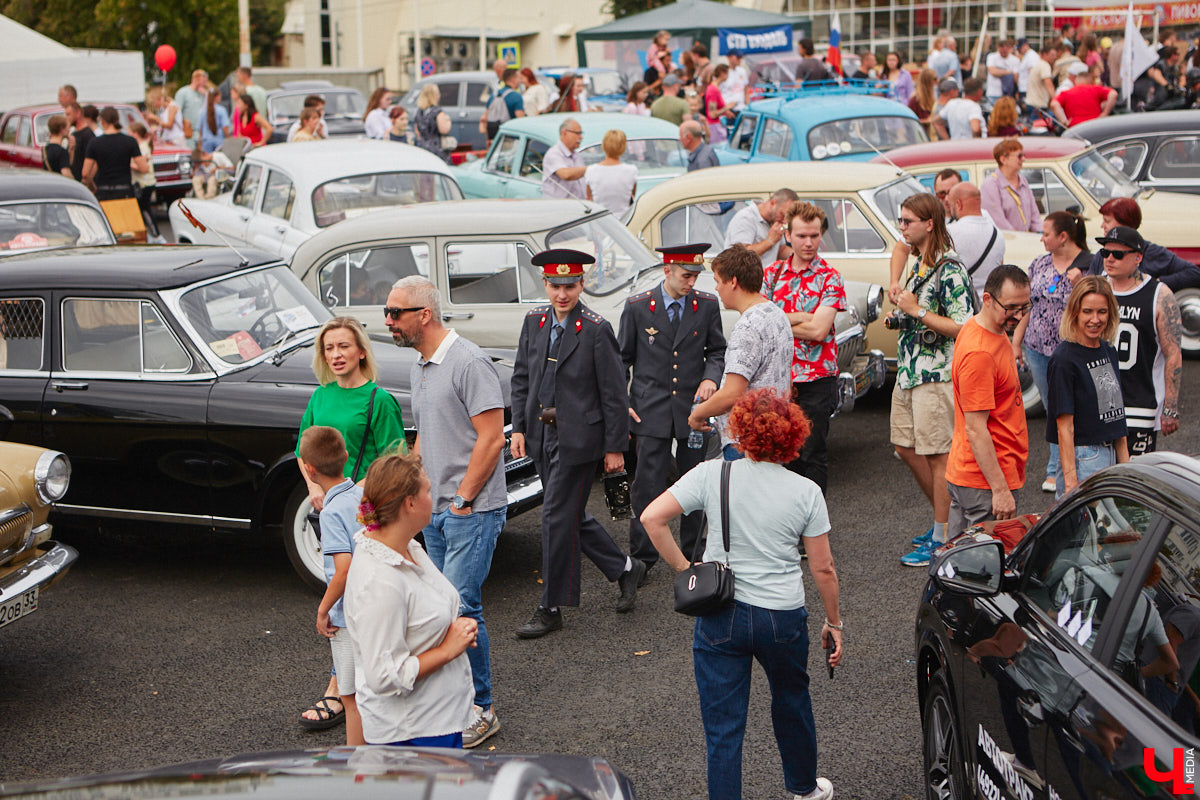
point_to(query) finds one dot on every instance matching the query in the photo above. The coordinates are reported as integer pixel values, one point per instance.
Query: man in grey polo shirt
(458, 408)
(759, 226)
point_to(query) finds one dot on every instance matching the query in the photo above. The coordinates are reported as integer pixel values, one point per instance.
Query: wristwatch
(922, 313)
(460, 502)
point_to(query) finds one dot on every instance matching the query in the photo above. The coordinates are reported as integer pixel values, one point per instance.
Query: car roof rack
(799, 91)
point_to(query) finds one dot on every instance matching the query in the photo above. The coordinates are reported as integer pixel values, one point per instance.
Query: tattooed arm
(1170, 329)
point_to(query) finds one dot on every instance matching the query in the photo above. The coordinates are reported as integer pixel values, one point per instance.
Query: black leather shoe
(542, 622)
(629, 582)
(646, 575)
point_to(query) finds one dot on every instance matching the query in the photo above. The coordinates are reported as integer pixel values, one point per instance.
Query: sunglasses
(394, 313)
(1119, 255)
(904, 222)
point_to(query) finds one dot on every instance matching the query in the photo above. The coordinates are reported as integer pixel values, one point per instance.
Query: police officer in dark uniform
(672, 340)
(570, 411)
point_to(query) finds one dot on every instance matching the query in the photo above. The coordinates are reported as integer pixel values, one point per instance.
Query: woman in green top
(345, 367)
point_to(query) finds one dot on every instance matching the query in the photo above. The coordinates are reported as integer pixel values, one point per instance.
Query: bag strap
(986, 250)
(366, 435)
(726, 469)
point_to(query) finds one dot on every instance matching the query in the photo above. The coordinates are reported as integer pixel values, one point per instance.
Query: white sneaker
(1049, 485)
(486, 724)
(824, 791)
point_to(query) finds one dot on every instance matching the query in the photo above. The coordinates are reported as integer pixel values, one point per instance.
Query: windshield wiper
(277, 356)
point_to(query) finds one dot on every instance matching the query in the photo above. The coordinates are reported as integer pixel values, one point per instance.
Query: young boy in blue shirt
(323, 453)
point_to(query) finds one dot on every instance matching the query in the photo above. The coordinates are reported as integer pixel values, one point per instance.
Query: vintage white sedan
(284, 193)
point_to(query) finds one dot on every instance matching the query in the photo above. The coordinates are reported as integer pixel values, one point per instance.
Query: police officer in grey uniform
(570, 410)
(672, 340)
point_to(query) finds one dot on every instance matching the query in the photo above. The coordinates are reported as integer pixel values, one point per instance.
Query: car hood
(395, 773)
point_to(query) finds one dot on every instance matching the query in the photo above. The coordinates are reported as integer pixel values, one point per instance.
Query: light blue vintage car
(513, 165)
(820, 122)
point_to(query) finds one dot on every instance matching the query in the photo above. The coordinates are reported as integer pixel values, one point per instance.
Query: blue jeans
(1089, 459)
(724, 648)
(1037, 368)
(461, 546)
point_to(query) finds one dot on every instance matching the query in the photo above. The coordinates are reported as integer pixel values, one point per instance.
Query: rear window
(336, 200)
(845, 137)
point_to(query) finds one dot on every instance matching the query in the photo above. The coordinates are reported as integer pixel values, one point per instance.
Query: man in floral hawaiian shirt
(933, 301)
(811, 293)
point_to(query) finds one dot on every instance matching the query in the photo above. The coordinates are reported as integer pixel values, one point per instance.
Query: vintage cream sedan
(478, 253)
(861, 201)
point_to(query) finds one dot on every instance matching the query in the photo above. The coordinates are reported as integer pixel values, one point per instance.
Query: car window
(101, 335)
(9, 134)
(620, 257)
(531, 162)
(41, 127)
(700, 222)
(743, 137)
(863, 135)
(642, 153)
(449, 94)
(1125, 157)
(22, 331)
(25, 134)
(928, 179)
(478, 94)
(503, 154)
(492, 272)
(849, 231)
(1100, 178)
(1174, 586)
(776, 139)
(334, 201)
(364, 277)
(1048, 190)
(247, 187)
(1075, 566)
(37, 225)
(1177, 159)
(279, 196)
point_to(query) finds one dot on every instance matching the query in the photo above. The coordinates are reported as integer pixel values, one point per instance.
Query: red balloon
(164, 57)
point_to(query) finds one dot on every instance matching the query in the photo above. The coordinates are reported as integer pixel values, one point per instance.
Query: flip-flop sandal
(331, 717)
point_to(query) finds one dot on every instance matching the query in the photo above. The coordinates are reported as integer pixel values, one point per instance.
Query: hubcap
(941, 750)
(1189, 312)
(307, 544)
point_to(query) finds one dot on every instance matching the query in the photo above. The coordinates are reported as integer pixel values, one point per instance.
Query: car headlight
(52, 476)
(874, 302)
(185, 166)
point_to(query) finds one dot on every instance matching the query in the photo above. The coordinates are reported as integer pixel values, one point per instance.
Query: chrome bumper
(867, 371)
(39, 571)
(524, 494)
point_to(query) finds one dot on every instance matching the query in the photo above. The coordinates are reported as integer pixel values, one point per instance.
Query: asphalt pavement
(171, 645)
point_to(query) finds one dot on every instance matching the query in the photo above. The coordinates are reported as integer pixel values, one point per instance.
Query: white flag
(1136, 55)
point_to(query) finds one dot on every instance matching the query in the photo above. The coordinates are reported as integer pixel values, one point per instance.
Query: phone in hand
(829, 648)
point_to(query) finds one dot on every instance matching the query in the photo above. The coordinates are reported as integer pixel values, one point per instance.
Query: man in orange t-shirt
(986, 466)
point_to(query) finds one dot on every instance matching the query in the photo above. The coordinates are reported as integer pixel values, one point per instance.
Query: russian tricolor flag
(834, 56)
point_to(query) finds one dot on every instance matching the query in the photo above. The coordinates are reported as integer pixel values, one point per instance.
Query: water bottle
(695, 437)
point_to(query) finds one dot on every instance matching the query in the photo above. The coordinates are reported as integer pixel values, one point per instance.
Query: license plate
(19, 606)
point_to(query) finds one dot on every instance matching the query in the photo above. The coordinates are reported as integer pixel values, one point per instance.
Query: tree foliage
(204, 33)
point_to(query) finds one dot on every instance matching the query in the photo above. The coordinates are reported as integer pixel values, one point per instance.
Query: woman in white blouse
(375, 120)
(611, 183)
(414, 683)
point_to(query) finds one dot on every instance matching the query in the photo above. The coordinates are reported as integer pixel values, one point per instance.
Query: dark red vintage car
(23, 132)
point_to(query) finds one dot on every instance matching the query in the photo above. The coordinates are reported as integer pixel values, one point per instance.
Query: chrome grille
(15, 526)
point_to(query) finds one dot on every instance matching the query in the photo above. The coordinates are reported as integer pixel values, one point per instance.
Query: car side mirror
(973, 569)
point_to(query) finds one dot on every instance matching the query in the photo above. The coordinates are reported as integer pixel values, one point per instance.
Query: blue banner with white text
(777, 39)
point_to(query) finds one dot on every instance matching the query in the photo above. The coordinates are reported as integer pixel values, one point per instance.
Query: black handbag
(314, 517)
(707, 588)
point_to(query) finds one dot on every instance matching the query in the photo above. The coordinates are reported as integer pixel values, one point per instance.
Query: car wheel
(1030, 395)
(300, 540)
(1189, 313)
(944, 768)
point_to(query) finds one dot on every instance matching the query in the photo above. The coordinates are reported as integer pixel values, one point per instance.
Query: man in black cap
(570, 411)
(672, 340)
(1151, 361)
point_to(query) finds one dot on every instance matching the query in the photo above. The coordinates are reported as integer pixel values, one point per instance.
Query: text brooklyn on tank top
(1139, 356)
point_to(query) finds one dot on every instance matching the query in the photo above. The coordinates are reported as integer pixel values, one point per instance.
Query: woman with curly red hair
(770, 509)
(413, 677)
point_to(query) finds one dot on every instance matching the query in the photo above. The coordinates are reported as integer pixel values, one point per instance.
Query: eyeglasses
(1017, 309)
(904, 222)
(394, 313)
(1119, 255)
(576, 132)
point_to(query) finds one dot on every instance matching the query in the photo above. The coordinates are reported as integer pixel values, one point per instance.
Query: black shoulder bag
(706, 588)
(314, 516)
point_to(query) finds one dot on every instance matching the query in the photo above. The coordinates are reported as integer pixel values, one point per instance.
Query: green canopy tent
(622, 43)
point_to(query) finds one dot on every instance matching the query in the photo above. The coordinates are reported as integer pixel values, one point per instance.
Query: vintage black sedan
(1068, 667)
(365, 773)
(176, 377)
(1158, 151)
(39, 210)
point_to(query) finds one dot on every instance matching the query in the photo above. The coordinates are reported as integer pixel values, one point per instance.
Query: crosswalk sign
(510, 53)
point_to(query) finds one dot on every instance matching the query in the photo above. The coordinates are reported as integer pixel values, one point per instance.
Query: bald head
(498, 66)
(964, 200)
(691, 135)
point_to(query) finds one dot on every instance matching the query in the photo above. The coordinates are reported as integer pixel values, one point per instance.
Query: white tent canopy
(35, 66)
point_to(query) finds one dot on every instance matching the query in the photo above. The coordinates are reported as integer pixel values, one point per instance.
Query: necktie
(546, 389)
(673, 312)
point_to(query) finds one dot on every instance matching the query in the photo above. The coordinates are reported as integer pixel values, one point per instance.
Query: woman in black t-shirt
(1085, 410)
(55, 155)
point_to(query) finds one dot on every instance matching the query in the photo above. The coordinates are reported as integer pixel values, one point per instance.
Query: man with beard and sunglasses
(458, 409)
(987, 459)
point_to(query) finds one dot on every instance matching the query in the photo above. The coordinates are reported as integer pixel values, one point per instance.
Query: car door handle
(244, 217)
(73, 386)
(280, 229)
(463, 315)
